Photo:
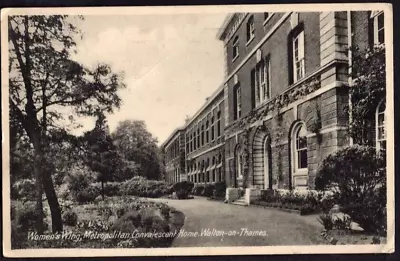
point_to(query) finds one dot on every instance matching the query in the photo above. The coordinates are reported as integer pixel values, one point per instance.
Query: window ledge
(300, 172)
(235, 58)
(250, 40)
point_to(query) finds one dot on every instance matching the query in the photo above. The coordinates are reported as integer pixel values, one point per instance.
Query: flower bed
(114, 223)
(305, 204)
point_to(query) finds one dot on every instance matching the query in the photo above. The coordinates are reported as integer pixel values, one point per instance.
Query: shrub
(357, 176)
(87, 195)
(26, 216)
(219, 189)
(24, 188)
(128, 222)
(70, 218)
(308, 209)
(183, 189)
(342, 223)
(208, 190)
(140, 186)
(197, 190)
(326, 220)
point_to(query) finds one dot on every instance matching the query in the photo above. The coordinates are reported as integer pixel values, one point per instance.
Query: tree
(45, 85)
(138, 145)
(102, 156)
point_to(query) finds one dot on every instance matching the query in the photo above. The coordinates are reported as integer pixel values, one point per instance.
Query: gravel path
(206, 221)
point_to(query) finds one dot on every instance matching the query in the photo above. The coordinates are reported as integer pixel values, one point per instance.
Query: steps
(240, 202)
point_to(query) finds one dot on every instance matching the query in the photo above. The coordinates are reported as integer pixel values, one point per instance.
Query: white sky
(171, 64)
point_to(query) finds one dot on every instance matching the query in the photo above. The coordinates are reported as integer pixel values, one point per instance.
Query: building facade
(174, 157)
(282, 104)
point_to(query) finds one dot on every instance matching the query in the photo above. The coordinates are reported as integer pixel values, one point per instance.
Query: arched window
(380, 127)
(235, 47)
(299, 148)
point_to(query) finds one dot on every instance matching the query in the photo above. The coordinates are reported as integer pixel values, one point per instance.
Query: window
(261, 81)
(299, 147)
(381, 126)
(207, 131)
(198, 137)
(250, 28)
(202, 135)
(193, 140)
(235, 48)
(266, 15)
(212, 128)
(379, 28)
(238, 106)
(298, 56)
(219, 123)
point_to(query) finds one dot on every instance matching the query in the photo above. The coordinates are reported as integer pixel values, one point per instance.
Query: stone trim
(293, 105)
(327, 130)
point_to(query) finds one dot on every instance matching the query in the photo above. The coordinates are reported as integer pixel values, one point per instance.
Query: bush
(70, 218)
(183, 189)
(26, 216)
(87, 195)
(24, 188)
(208, 190)
(357, 177)
(326, 220)
(128, 222)
(140, 186)
(219, 189)
(197, 190)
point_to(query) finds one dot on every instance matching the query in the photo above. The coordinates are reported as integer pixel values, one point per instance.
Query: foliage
(140, 186)
(368, 89)
(183, 189)
(47, 90)
(357, 176)
(87, 195)
(70, 218)
(24, 188)
(137, 144)
(326, 220)
(208, 190)
(197, 189)
(219, 189)
(101, 155)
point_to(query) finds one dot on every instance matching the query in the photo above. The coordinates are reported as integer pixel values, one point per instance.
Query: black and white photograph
(197, 130)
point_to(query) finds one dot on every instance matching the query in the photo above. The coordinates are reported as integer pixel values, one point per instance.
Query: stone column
(333, 45)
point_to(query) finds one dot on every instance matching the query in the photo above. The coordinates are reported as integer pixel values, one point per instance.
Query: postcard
(198, 130)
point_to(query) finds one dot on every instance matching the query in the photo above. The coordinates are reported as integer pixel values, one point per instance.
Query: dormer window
(235, 48)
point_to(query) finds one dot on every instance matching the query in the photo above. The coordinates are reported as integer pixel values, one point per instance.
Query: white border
(320, 249)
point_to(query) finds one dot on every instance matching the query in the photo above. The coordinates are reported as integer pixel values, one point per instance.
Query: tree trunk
(56, 221)
(39, 194)
(47, 182)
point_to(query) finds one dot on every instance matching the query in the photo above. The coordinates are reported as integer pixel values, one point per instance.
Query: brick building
(281, 105)
(174, 156)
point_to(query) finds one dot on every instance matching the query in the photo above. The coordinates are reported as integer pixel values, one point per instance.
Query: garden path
(280, 228)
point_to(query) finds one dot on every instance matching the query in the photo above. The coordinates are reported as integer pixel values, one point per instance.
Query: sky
(171, 64)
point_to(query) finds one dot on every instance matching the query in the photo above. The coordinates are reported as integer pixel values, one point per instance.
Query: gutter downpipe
(350, 69)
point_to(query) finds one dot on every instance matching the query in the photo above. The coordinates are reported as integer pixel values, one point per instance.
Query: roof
(170, 137)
